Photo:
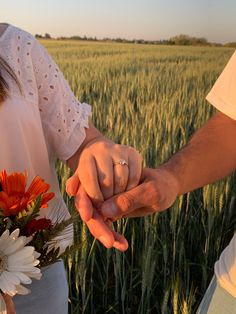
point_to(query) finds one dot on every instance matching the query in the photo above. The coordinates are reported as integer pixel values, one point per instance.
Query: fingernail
(109, 210)
(106, 242)
(121, 246)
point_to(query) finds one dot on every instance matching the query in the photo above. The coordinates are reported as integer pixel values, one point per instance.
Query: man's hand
(210, 155)
(156, 192)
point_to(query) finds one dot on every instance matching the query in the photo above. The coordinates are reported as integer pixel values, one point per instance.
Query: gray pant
(48, 295)
(217, 300)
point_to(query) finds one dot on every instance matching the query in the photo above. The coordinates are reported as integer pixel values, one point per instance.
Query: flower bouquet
(26, 241)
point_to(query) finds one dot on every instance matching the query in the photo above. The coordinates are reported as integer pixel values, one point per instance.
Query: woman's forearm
(91, 134)
(209, 156)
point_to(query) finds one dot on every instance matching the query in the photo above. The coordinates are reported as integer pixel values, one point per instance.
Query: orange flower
(14, 198)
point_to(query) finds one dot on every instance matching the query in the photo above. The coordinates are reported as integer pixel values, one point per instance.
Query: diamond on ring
(121, 162)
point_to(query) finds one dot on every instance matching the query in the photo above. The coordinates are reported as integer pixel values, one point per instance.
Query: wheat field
(152, 98)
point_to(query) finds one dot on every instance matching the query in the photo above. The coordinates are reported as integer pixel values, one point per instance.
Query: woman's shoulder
(19, 44)
(17, 34)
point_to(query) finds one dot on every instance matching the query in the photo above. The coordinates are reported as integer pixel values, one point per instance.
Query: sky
(132, 19)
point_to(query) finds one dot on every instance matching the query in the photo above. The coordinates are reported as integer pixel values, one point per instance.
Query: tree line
(182, 40)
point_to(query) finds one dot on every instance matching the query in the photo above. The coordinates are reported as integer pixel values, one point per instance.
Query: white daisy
(17, 263)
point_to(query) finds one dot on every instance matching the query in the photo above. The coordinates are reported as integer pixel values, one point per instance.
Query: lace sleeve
(64, 118)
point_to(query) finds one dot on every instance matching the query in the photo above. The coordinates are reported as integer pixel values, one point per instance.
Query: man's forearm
(209, 156)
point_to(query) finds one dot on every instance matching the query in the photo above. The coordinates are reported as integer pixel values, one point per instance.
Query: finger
(103, 232)
(100, 230)
(109, 222)
(140, 212)
(135, 169)
(72, 185)
(87, 172)
(83, 204)
(144, 195)
(120, 243)
(9, 304)
(105, 175)
(121, 175)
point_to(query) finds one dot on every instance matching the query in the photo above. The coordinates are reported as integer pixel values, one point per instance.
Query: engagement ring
(121, 162)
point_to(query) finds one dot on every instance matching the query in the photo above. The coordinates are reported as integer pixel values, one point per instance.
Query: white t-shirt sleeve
(223, 93)
(63, 117)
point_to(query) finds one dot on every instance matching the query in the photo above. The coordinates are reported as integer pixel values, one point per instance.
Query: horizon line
(95, 38)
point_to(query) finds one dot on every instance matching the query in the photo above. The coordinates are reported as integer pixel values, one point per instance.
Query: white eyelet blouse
(42, 123)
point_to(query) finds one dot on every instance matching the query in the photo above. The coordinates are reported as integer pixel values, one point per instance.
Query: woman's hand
(99, 227)
(105, 169)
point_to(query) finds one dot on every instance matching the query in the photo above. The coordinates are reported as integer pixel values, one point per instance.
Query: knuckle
(125, 202)
(103, 145)
(119, 148)
(120, 183)
(135, 155)
(106, 182)
(132, 149)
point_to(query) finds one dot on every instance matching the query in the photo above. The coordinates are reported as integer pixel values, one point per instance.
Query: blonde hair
(4, 86)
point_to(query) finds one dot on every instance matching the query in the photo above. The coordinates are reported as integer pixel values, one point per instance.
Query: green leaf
(34, 208)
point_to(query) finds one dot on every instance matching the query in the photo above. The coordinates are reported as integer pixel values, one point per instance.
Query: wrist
(98, 139)
(92, 135)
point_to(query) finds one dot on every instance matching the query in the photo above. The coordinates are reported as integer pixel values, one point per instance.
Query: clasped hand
(106, 190)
